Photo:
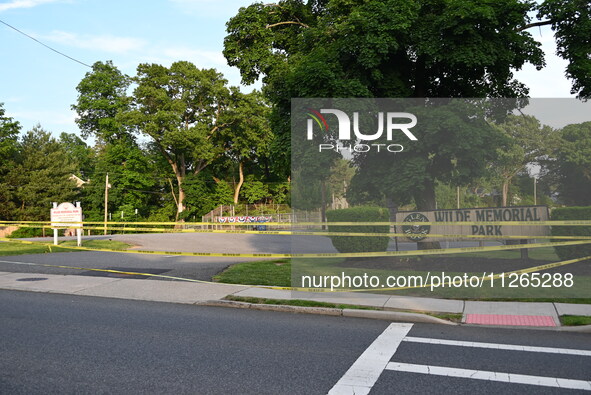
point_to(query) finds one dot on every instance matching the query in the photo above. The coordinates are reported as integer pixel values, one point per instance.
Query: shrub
(359, 243)
(25, 233)
(572, 213)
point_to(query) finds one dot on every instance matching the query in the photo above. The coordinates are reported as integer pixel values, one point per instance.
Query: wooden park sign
(67, 215)
(476, 219)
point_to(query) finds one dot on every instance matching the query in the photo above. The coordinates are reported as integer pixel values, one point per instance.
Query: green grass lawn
(14, 248)
(573, 320)
(279, 273)
(99, 244)
(271, 272)
(542, 254)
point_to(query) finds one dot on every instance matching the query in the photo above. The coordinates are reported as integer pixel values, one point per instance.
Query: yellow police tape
(303, 233)
(318, 290)
(447, 223)
(442, 285)
(441, 251)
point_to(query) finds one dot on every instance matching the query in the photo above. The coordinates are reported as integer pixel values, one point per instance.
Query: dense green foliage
(39, 175)
(569, 167)
(176, 141)
(527, 141)
(359, 214)
(37, 169)
(572, 213)
(394, 48)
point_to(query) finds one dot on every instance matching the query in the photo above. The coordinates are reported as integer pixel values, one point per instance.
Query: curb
(371, 314)
(396, 316)
(579, 329)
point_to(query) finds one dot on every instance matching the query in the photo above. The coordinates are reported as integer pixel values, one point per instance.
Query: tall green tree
(527, 142)
(455, 146)
(396, 48)
(132, 180)
(392, 48)
(102, 95)
(571, 23)
(570, 167)
(9, 131)
(183, 110)
(80, 153)
(42, 175)
(248, 135)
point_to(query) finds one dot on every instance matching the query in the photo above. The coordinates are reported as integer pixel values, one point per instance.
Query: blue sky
(39, 86)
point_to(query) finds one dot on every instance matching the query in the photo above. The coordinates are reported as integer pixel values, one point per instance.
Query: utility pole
(106, 200)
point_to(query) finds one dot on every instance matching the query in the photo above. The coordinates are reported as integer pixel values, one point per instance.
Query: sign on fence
(476, 217)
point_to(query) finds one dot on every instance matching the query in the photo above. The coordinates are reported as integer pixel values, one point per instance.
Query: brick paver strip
(514, 320)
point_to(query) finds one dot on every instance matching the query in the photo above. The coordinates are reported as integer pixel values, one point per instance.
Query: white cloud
(24, 4)
(105, 43)
(199, 57)
(222, 9)
(46, 117)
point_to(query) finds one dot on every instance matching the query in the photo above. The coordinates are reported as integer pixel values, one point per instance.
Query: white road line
(491, 376)
(20, 263)
(496, 346)
(364, 372)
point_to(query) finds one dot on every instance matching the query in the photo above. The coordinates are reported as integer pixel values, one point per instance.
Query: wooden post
(54, 229)
(78, 230)
(106, 201)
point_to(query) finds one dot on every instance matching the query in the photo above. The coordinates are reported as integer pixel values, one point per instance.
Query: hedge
(572, 213)
(359, 243)
(23, 233)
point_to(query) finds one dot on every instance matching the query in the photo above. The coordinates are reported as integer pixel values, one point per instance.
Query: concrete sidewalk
(389, 307)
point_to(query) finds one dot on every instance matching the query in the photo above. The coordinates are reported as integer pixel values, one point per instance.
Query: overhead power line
(46, 46)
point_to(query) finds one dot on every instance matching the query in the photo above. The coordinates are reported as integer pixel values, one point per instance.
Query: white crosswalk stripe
(491, 376)
(366, 370)
(496, 346)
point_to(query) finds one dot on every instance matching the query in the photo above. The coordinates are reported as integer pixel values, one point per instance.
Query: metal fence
(233, 210)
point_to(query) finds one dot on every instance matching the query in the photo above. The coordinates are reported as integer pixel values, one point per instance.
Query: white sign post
(64, 215)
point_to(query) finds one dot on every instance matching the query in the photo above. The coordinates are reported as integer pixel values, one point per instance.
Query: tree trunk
(181, 197)
(505, 193)
(240, 182)
(323, 202)
(393, 209)
(179, 170)
(425, 201)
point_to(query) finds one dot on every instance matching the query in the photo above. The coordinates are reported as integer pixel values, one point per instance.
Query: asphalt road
(199, 268)
(243, 243)
(70, 344)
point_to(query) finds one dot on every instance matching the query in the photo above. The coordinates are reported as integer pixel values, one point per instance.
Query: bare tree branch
(535, 24)
(286, 23)
(172, 192)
